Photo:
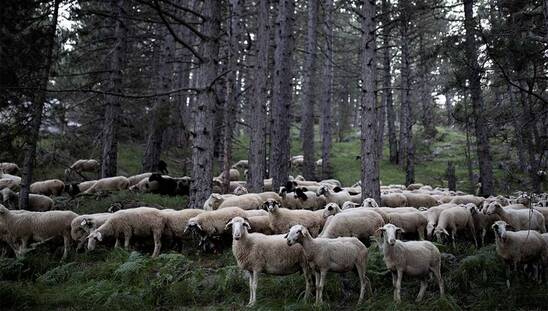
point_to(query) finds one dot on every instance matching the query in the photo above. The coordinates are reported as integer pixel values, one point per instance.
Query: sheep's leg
(308, 281)
(23, 248)
(127, 237)
(508, 275)
(66, 244)
(437, 274)
(473, 230)
(361, 274)
(397, 289)
(317, 284)
(424, 284)
(322, 283)
(394, 278)
(253, 286)
(157, 243)
(250, 275)
(483, 233)
(421, 233)
(453, 233)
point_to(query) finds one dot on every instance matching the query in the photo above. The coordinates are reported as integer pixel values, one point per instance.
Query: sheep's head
(492, 208)
(213, 202)
(299, 178)
(240, 190)
(331, 209)
(239, 226)
(296, 234)
(282, 192)
(348, 204)
(389, 232)
(323, 190)
(93, 238)
(299, 194)
(370, 202)
(471, 207)
(114, 207)
(193, 225)
(270, 205)
(155, 177)
(500, 228)
(440, 233)
(290, 185)
(430, 229)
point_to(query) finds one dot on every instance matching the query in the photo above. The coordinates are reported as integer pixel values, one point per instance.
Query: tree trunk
(282, 93)
(449, 108)
(257, 145)
(387, 85)
(451, 177)
(232, 89)
(309, 92)
(478, 109)
(425, 93)
(204, 107)
(160, 111)
(369, 114)
(36, 114)
(327, 96)
(113, 108)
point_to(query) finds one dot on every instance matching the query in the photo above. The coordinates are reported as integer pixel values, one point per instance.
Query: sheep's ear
(445, 232)
(228, 225)
(84, 222)
(99, 237)
(337, 189)
(286, 235)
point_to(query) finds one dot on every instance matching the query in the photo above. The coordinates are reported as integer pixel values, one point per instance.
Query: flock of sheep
(307, 226)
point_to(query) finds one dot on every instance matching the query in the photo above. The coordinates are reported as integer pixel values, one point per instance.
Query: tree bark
(451, 177)
(204, 107)
(282, 93)
(113, 103)
(449, 108)
(425, 92)
(327, 96)
(160, 111)
(387, 100)
(36, 114)
(257, 148)
(478, 109)
(309, 92)
(370, 182)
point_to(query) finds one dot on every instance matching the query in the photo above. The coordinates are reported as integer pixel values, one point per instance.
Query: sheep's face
(348, 204)
(213, 202)
(295, 235)
(499, 227)
(492, 208)
(239, 225)
(240, 190)
(370, 202)
(299, 194)
(330, 209)
(299, 178)
(389, 233)
(322, 190)
(270, 205)
(93, 238)
(440, 234)
(429, 230)
(193, 225)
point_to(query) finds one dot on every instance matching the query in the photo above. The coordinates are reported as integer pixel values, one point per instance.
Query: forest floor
(116, 279)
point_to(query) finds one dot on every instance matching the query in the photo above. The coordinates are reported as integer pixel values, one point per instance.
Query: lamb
(240, 190)
(281, 219)
(37, 202)
(212, 223)
(338, 197)
(9, 168)
(412, 222)
(50, 187)
(108, 184)
(234, 175)
(82, 225)
(393, 200)
(76, 188)
(135, 179)
(256, 253)
(337, 255)
(519, 219)
(519, 247)
(413, 258)
(141, 221)
(87, 165)
(465, 199)
(39, 226)
(453, 219)
(242, 164)
(420, 200)
(361, 225)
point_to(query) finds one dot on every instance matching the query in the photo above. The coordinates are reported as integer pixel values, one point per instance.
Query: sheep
(82, 225)
(519, 219)
(83, 165)
(260, 224)
(15, 179)
(242, 164)
(212, 223)
(289, 200)
(338, 197)
(39, 226)
(482, 221)
(135, 179)
(297, 161)
(76, 188)
(218, 186)
(393, 200)
(141, 221)
(256, 253)
(108, 184)
(337, 255)
(37, 202)
(9, 168)
(214, 201)
(168, 185)
(281, 219)
(50, 187)
(361, 225)
(420, 200)
(415, 186)
(411, 222)
(519, 247)
(142, 186)
(453, 219)
(247, 201)
(465, 199)
(240, 190)
(176, 221)
(299, 178)
(234, 175)
(433, 214)
(309, 200)
(413, 258)
(10, 184)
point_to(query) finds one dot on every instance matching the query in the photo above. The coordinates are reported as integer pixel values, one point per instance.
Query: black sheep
(166, 185)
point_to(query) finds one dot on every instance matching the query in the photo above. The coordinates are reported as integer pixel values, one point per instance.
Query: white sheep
(176, 221)
(412, 258)
(39, 226)
(242, 164)
(37, 202)
(9, 168)
(240, 190)
(337, 255)
(455, 219)
(410, 222)
(50, 187)
(141, 221)
(83, 165)
(76, 188)
(212, 223)
(116, 183)
(135, 179)
(234, 175)
(338, 197)
(245, 201)
(519, 219)
(256, 253)
(420, 200)
(465, 199)
(519, 247)
(433, 214)
(393, 200)
(363, 223)
(281, 219)
(415, 186)
(82, 226)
